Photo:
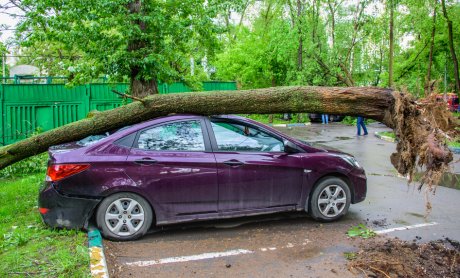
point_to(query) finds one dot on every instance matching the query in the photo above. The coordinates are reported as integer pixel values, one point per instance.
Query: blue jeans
(325, 118)
(360, 123)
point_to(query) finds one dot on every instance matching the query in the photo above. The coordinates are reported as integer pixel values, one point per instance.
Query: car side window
(240, 137)
(177, 136)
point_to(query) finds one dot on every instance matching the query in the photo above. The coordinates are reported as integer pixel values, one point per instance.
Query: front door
(253, 170)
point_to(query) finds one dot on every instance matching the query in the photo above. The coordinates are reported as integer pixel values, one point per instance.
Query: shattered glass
(178, 136)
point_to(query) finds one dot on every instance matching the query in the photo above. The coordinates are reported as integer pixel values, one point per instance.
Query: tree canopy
(143, 41)
(257, 43)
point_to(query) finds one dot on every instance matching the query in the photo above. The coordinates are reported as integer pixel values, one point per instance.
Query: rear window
(88, 141)
(92, 139)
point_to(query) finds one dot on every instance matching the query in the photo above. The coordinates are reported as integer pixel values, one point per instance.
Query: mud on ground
(382, 257)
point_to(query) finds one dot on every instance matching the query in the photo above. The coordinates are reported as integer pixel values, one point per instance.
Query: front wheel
(330, 199)
(124, 216)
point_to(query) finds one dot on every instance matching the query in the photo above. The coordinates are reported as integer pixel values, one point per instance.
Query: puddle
(343, 138)
(319, 142)
(401, 222)
(303, 253)
(415, 214)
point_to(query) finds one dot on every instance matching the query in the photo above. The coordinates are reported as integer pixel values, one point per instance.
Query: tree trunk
(451, 47)
(391, 54)
(299, 31)
(140, 87)
(430, 59)
(370, 102)
(332, 12)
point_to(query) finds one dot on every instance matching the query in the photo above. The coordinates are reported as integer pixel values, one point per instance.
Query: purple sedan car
(186, 168)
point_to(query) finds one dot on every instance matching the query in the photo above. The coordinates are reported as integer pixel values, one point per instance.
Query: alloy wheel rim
(332, 201)
(124, 217)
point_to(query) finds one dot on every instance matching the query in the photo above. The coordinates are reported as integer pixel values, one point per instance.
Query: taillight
(43, 210)
(59, 171)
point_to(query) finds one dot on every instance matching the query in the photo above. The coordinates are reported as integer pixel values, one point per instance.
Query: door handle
(233, 163)
(145, 161)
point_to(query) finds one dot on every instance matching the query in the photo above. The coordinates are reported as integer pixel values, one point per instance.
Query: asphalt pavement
(293, 245)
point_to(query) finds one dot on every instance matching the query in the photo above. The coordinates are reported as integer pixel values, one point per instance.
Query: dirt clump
(422, 128)
(396, 258)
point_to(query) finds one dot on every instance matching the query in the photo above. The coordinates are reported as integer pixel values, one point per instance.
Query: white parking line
(213, 255)
(192, 258)
(403, 228)
(235, 252)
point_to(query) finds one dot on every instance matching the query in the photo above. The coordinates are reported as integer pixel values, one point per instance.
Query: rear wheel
(330, 199)
(124, 216)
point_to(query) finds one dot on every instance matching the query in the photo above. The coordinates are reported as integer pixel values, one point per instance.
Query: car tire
(330, 199)
(124, 216)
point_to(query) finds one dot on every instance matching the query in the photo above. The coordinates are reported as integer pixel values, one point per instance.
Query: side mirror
(290, 147)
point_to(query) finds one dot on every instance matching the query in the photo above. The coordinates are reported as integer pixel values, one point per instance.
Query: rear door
(253, 170)
(174, 164)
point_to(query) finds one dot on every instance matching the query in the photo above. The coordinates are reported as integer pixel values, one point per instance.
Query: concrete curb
(385, 138)
(290, 125)
(97, 260)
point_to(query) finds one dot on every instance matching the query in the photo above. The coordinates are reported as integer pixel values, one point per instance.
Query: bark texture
(370, 102)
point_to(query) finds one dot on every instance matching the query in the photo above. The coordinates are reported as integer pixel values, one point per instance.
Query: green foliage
(390, 134)
(266, 52)
(3, 51)
(32, 165)
(146, 40)
(350, 255)
(361, 231)
(278, 118)
(348, 120)
(27, 246)
(257, 43)
(455, 144)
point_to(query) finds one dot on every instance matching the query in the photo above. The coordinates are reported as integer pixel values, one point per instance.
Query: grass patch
(361, 231)
(28, 247)
(32, 165)
(388, 134)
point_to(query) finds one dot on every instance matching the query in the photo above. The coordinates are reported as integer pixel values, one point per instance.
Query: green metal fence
(28, 108)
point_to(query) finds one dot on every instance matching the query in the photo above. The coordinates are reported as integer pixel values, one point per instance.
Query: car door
(174, 164)
(253, 170)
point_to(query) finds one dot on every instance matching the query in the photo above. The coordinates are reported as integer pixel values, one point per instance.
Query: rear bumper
(359, 181)
(63, 211)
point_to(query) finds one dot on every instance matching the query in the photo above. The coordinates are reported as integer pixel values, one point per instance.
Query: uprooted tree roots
(422, 129)
(396, 258)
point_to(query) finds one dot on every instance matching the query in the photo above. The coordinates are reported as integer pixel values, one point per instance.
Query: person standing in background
(325, 118)
(360, 123)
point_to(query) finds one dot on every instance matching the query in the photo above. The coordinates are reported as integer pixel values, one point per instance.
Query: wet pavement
(293, 245)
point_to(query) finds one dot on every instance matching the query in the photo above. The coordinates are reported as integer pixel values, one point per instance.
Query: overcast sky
(7, 20)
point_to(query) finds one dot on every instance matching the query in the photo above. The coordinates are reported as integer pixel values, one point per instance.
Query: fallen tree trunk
(394, 109)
